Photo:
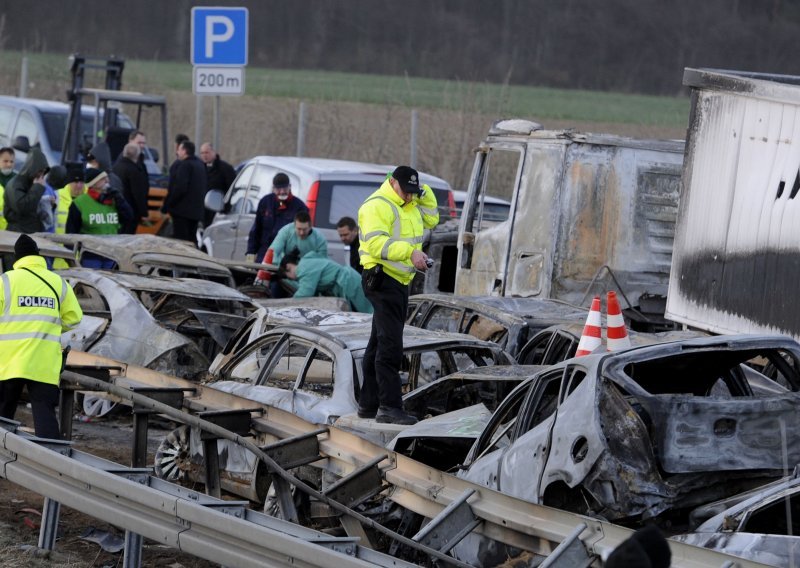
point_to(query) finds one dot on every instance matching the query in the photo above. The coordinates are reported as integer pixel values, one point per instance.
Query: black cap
(281, 180)
(408, 178)
(57, 177)
(25, 246)
(93, 176)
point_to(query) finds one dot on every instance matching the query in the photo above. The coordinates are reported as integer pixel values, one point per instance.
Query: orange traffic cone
(617, 336)
(591, 338)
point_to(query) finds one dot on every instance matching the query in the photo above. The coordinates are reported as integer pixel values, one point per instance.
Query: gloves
(249, 258)
(263, 274)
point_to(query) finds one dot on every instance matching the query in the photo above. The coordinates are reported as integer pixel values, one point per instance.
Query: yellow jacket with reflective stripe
(64, 201)
(390, 230)
(31, 323)
(3, 222)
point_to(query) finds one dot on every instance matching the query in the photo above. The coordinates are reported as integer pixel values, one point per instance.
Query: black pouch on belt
(373, 278)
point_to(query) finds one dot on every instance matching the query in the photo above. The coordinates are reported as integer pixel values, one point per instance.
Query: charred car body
(171, 325)
(148, 254)
(509, 322)
(631, 435)
(47, 249)
(316, 374)
(761, 525)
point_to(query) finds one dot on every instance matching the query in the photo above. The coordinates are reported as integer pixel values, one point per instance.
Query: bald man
(220, 174)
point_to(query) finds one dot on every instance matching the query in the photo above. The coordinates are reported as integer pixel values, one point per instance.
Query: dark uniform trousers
(44, 399)
(384, 353)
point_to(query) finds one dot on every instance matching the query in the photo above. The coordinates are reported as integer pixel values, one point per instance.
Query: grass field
(364, 117)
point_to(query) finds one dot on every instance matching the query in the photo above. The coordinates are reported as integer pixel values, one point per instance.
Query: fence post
(301, 129)
(198, 119)
(23, 78)
(216, 124)
(413, 160)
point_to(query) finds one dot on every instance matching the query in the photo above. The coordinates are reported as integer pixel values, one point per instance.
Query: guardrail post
(132, 553)
(47, 533)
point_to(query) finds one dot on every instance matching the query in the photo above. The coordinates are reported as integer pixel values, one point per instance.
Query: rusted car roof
(46, 247)
(185, 286)
(507, 321)
(141, 253)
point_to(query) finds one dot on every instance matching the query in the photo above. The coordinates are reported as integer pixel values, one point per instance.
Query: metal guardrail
(418, 488)
(220, 531)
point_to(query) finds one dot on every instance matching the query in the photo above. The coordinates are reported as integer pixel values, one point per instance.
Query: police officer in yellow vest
(35, 306)
(391, 222)
(67, 194)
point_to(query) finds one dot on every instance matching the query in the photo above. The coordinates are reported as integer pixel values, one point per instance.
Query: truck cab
(589, 212)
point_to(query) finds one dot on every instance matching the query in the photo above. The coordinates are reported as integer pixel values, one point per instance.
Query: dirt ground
(20, 509)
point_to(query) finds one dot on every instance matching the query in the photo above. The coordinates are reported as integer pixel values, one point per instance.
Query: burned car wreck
(148, 254)
(315, 373)
(47, 249)
(166, 324)
(509, 322)
(761, 525)
(648, 432)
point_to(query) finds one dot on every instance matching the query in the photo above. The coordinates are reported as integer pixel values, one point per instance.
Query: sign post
(219, 56)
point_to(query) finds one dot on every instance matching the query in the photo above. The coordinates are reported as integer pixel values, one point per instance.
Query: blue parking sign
(219, 36)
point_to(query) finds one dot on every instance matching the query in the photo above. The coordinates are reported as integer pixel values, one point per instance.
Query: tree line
(638, 46)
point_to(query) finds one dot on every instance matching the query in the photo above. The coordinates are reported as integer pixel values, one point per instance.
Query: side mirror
(214, 200)
(22, 144)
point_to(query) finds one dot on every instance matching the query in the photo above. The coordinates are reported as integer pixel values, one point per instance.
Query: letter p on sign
(213, 23)
(219, 36)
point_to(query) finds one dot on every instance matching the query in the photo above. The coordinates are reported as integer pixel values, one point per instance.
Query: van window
(342, 199)
(26, 127)
(55, 128)
(236, 194)
(6, 113)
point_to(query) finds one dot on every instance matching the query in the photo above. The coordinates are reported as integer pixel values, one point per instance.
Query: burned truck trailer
(737, 243)
(588, 212)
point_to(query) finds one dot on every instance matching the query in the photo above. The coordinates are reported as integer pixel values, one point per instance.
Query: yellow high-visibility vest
(390, 230)
(31, 321)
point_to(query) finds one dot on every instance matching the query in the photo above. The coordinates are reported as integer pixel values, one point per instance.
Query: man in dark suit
(135, 184)
(219, 173)
(187, 189)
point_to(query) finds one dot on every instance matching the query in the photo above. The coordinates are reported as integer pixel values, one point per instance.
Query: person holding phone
(391, 222)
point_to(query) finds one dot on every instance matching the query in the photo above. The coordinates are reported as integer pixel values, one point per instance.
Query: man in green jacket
(318, 275)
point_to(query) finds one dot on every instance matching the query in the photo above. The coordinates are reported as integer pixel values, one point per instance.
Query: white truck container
(736, 261)
(589, 213)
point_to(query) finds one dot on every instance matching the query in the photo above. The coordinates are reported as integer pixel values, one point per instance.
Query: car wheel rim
(96, 406)
(172, 455)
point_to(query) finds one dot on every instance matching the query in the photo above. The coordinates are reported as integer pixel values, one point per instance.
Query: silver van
(331, 189)
(27, 122)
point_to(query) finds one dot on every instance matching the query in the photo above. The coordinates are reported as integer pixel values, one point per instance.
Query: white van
(331, 189)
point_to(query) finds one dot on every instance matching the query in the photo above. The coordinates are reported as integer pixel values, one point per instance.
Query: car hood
(466, 423)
